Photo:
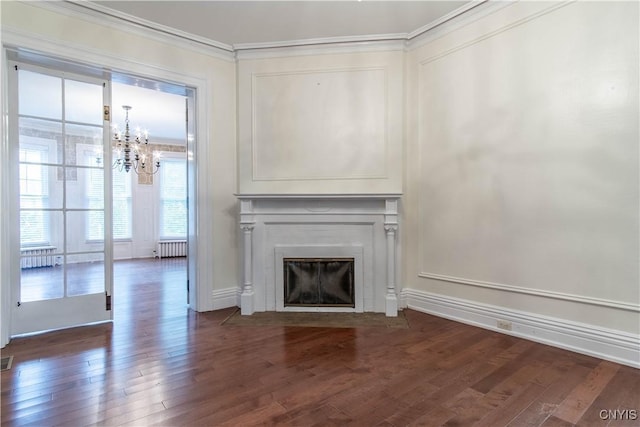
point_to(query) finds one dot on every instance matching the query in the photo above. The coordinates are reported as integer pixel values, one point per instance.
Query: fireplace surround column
(391, 227)
(246, 225)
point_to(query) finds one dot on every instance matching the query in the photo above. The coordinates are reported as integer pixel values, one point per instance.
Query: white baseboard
(616, 346)
(225, 298)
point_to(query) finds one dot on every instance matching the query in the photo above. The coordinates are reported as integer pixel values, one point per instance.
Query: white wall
(522, 165)
(321, 123)
(51, 29)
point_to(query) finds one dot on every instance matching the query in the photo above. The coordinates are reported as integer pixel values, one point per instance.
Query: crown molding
(446, 18)
(456, 20)
(322, 48)
(322, 41)
(366, 43)
(143, 23)
(101, 15)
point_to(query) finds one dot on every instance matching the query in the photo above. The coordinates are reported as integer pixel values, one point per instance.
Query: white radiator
(41, 256)
(171, 248)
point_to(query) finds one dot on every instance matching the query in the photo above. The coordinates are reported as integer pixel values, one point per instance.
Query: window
(173, 198)
(121, 204)
(34, 194)
(122, 215)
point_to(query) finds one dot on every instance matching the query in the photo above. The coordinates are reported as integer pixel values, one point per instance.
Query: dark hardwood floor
(160, 364)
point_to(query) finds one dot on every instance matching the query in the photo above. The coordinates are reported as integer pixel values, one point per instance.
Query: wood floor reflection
(160, 364)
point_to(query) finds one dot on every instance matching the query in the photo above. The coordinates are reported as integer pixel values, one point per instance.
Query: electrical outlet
(504, 324)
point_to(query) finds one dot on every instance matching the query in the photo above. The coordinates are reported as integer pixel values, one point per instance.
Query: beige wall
(522, 168)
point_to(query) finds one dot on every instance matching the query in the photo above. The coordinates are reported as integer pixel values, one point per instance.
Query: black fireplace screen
(326, 282)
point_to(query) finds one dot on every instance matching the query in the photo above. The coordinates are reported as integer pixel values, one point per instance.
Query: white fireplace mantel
(363, 226)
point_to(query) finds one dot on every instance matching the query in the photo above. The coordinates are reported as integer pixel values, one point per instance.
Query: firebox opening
(319, 282)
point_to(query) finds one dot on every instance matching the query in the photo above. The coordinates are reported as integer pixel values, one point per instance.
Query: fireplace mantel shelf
(355, 196)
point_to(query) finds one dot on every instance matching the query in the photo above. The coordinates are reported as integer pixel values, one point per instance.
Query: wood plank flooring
(159, 364)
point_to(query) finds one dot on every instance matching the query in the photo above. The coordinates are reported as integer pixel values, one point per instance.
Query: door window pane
(40, 228)
(83, 102)
(34, 228)
(77, 231)
(40, 95)
(43, 135)
(83, 145)
(85, 274)
(41, 283)
(85, 188)
(39, 187)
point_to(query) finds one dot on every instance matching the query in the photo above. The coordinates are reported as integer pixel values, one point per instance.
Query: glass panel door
(59, 133)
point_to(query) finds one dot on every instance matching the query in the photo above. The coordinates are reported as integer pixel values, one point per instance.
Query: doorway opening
(78, 214)
(150, 213)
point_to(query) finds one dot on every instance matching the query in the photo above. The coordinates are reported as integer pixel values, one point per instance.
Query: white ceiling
(237, 23)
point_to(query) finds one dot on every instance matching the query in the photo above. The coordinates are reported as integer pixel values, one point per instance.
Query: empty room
(320, 212)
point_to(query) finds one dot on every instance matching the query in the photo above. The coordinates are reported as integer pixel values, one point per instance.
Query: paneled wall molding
(617, 346)
(269, 106)
(321, 124)
(535, 292)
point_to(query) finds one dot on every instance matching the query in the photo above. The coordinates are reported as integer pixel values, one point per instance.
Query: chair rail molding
(620, 305)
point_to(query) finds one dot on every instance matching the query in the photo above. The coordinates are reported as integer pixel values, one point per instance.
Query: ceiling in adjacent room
(236, 23)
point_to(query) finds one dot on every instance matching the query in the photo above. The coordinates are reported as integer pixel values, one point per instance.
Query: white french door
(58, 133)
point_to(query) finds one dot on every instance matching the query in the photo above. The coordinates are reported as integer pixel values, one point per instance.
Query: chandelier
(132, 151)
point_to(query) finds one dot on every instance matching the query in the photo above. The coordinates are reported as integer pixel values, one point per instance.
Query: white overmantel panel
(363, 227)
(321, 124)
